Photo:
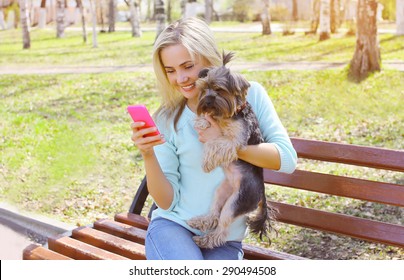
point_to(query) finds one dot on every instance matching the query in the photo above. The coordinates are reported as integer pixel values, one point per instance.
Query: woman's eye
(189, 66)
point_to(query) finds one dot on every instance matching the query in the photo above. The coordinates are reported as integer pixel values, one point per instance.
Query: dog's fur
(223, 97)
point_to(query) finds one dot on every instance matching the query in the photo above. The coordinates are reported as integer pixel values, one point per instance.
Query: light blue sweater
(181, 159)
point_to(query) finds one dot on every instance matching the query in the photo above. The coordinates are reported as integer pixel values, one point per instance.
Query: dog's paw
(201, 123)
(203, 242)
(209, 165)
(209, 241)
(203, 223)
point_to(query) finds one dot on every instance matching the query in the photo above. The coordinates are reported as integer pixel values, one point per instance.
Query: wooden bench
(123, 237)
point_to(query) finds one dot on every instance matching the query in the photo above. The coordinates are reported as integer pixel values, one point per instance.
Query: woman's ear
(203, 73)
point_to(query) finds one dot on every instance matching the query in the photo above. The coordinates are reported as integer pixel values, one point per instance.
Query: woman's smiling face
(182, 71)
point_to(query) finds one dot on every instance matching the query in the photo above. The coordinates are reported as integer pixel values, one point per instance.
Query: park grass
(66, 151)
(119, 48)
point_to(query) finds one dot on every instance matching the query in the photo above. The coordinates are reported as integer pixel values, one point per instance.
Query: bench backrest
(362, 189)
(374, 191)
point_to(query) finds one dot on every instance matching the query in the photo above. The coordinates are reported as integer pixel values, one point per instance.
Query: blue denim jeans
(167, 240)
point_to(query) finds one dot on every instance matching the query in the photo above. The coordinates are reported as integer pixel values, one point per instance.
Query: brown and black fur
(223, 97)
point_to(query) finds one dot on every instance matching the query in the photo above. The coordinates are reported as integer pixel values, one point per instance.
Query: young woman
(173, 161)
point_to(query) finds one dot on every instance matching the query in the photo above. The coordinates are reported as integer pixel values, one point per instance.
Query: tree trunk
(366, 58)
(25, 24)
(168, 12)
(208, 10)
(2, 21)
(83, 19)
(160, 16)
(93, 9)
(266, 19)
(135, 18)
(148, 10)
(315, 16)
(295, 11)
(99, 11)
(183, 4)
(60, 18)
(111, 15)
(400, 17)
(42, 15)
(324, 20)
(335, 17)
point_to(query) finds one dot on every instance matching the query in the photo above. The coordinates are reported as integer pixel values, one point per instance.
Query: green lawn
(65, 148)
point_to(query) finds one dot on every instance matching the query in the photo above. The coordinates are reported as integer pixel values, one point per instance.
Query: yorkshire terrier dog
(223, 97)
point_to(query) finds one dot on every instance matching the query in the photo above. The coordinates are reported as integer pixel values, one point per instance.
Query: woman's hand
(211, 132)
(145, 143)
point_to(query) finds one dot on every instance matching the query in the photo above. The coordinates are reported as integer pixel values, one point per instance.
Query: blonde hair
(196, 36)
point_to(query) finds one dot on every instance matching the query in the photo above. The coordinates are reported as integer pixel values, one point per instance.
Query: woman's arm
(264, 155)
(157, 184)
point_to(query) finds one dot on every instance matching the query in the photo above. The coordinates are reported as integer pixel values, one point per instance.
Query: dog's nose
(210, 100)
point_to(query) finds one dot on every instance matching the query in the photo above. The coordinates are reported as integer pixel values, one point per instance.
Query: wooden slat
(125, 231)
(339, 185)
(37, 252)
(341, 224)
(350, 154)
(110, 243)
(79, 250)
(132, 219)
(258, 253)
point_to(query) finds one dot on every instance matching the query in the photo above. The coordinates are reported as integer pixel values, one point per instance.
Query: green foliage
(389, 9)
(242, 10)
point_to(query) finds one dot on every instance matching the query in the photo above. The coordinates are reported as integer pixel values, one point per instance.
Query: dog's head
(222, 93)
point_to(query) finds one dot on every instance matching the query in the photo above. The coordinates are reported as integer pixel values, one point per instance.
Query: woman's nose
(182, 78)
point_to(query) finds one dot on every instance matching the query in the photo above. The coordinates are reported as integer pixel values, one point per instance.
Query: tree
(148, 10)
(315, 16)
(295, 11)
(266, 19)
(325, 20)
(25, 24)
(2, 21)
(42, 15)
(168, 11)
(208, 10)
(366, 58)
(160, 16)
(60, 18)
(400, 17)
(183, 4)
(335, 15)
(135, 18)
(83, 19)
(111, 15)
(93, 9)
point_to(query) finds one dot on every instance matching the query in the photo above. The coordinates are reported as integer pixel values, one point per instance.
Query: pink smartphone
(139, 113)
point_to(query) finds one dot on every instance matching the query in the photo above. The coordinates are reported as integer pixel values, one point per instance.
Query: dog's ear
(203, 73)
(227, 57)
(238, 83)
